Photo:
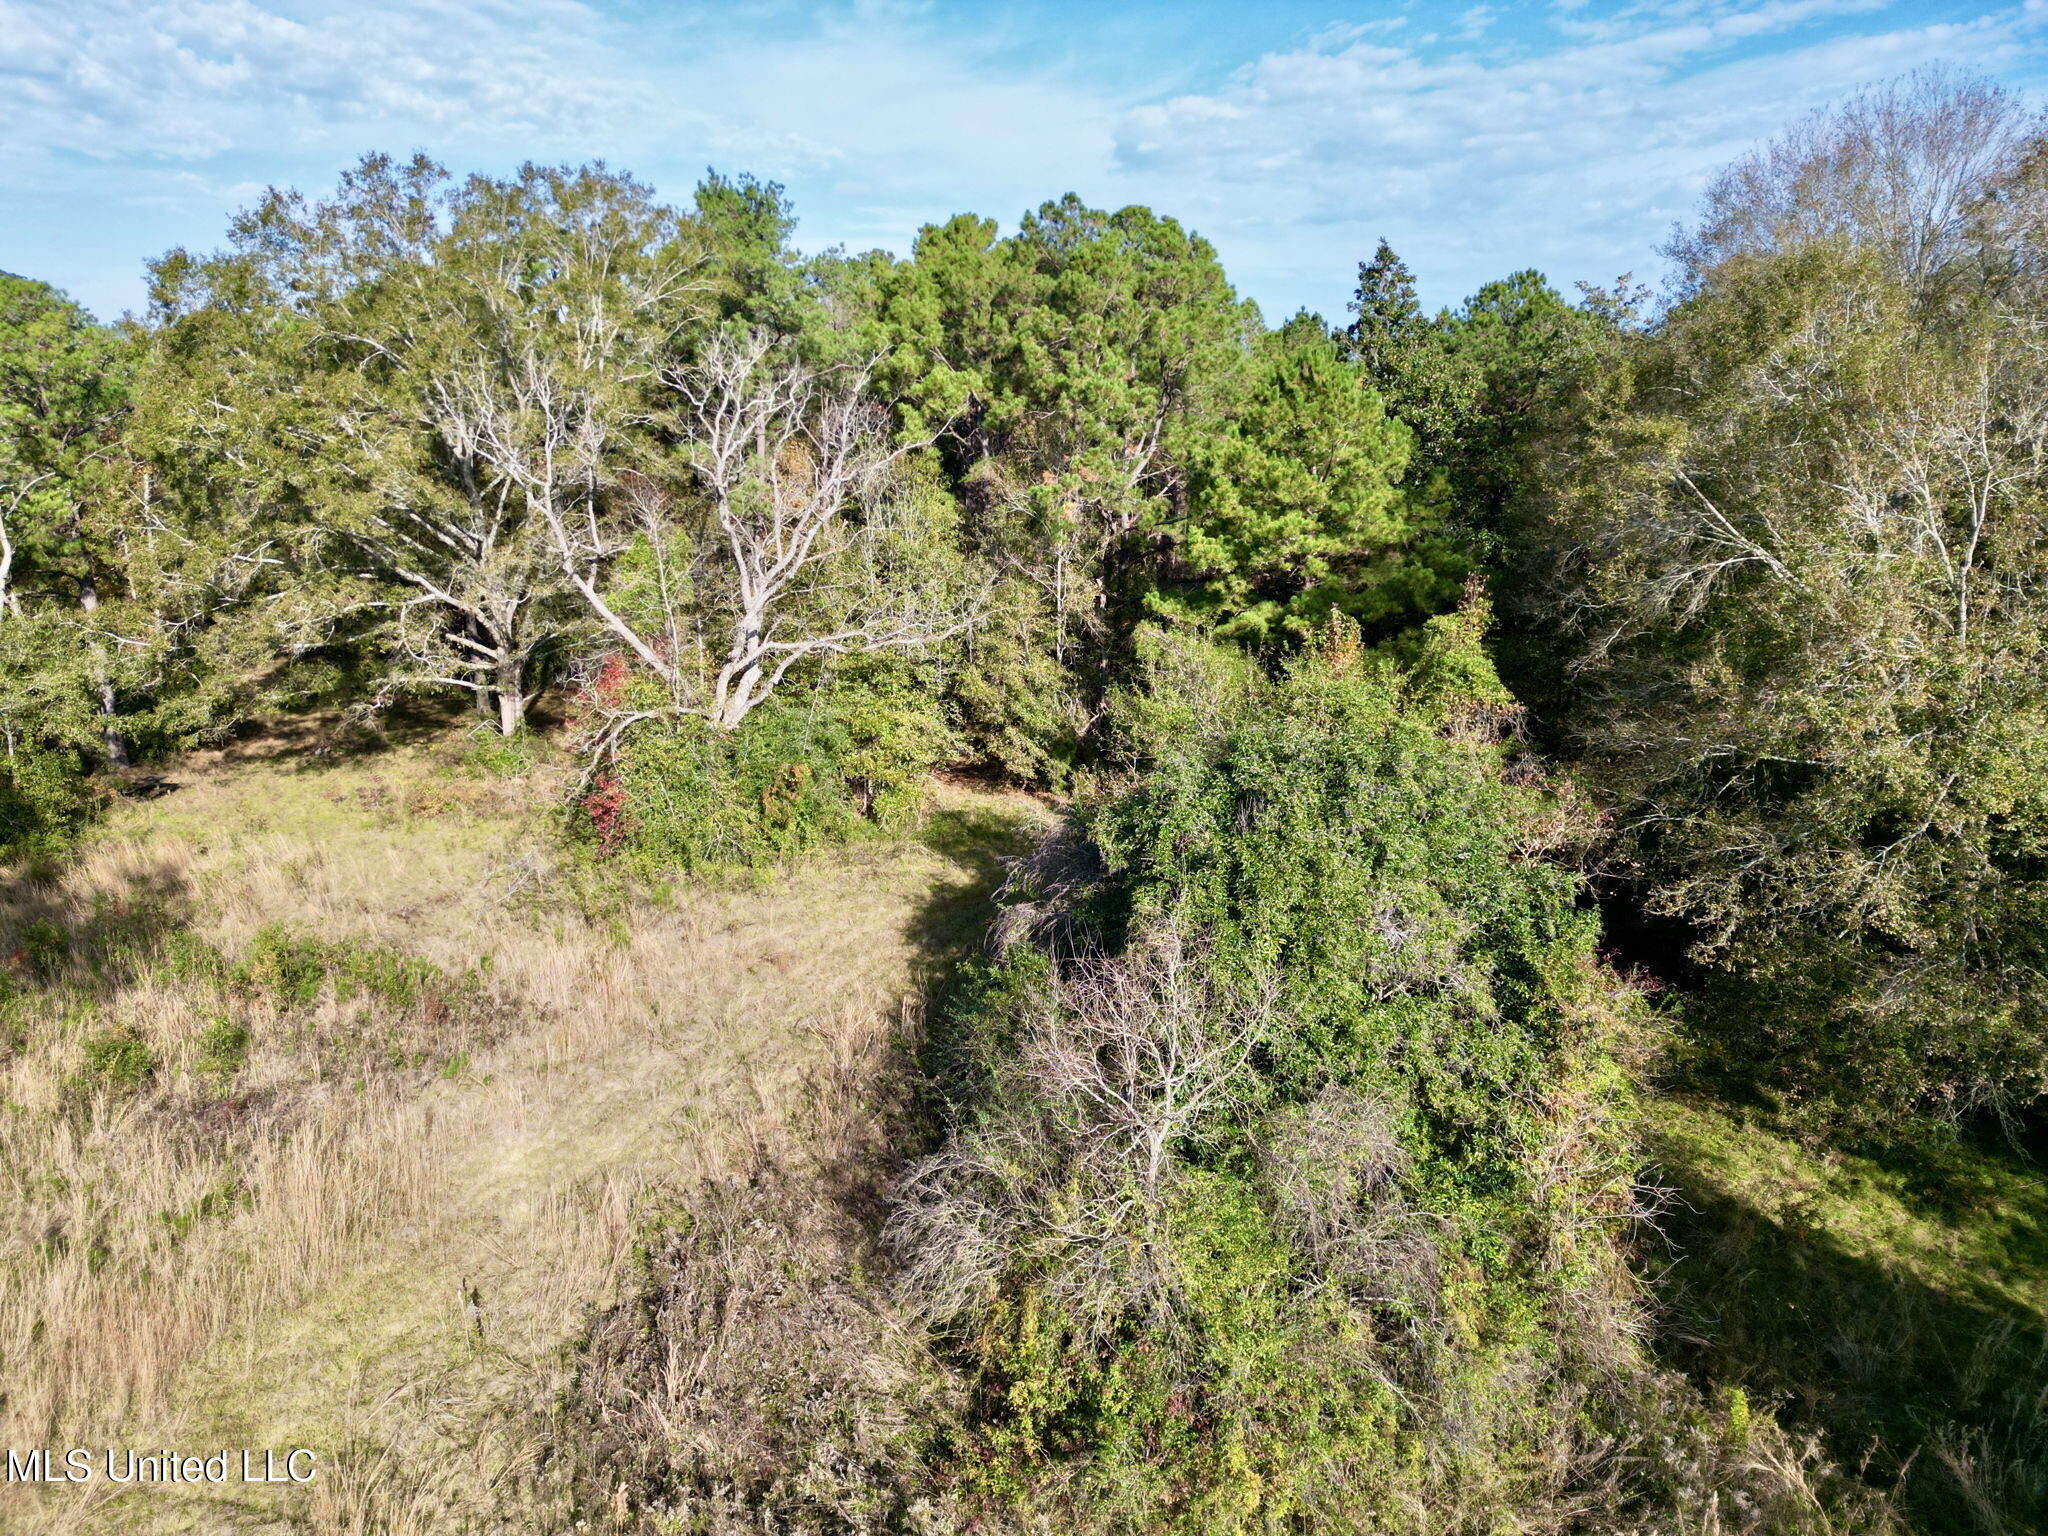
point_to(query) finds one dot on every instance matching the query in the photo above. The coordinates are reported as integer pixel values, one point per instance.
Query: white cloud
(193, 79)
(1475, 21)
(156, 116)
(1574, 157)
(871, 91)
(1566, 137)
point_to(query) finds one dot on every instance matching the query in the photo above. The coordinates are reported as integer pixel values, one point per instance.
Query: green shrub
(487, 750)
(893, 733)
(117, 1060)
(1010, 694)
(43, 947)
(290, 969)
(223, 1048)
(286, 967)
(802, 771)
(391, 976)
(1283, 1184)
(45, 801)
(684, 795)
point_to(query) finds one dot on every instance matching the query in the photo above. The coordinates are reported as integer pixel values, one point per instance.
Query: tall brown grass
(381, 1228)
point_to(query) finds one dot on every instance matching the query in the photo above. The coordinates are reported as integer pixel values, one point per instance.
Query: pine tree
(1387, 316)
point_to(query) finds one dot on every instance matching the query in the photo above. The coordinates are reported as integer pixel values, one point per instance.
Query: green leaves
(389, 393)
(1292, 1127)
(64, 385)
(1297, 506)
(1071, 363)
(1132, 444)
(73, 641)
(1811, 523)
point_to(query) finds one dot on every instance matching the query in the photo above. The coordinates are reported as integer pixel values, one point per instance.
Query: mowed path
(651, 1045)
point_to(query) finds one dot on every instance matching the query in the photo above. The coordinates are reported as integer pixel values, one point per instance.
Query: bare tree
(1119, 1064)
(801, 548)
(1896, 169)
(440, 362)
(1336, 1165)
(17, 493)
(1143, 1049)
(534, 434)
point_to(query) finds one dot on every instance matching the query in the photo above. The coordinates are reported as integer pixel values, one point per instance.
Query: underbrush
(801, 772)
(1279, 1177)
(46, 800)
(754, 1374)
(1289, 1180)
(755, 1377)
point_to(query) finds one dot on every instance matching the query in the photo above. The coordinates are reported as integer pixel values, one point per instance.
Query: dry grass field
(330, 1104)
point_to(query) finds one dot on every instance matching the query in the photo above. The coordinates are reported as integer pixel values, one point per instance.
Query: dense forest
(1507, 794)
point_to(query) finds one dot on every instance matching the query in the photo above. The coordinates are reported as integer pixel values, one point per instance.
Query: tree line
(1764, 550)
(1386, 660)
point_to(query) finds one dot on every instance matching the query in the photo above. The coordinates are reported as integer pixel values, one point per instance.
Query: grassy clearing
(325, 1117)
(1897, 1304)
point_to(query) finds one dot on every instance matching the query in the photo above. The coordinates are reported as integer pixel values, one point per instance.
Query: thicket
(1289, 1179)
(1802, 544)
(851, 755)
(1282, 1183)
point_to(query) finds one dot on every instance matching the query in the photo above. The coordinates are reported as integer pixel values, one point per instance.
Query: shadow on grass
(979, 841)
(1937, 1390)
(313, 740)
(774, 1281)
(96, 946)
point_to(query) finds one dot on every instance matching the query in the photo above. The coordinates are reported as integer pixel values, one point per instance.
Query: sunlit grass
(327, 1096)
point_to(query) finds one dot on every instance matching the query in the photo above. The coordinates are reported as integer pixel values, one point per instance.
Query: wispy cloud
(1565, 136)
(1475, 21)
(1572, 151)
(193, 80)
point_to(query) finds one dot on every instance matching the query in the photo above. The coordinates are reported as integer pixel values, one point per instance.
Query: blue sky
(1293, 133)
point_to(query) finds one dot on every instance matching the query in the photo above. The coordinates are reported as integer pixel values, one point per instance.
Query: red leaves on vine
(605, 805)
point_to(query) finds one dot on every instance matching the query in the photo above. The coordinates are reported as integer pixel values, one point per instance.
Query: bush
(681, 794)
(223, 1048)
(1285, 1187)
(894, 732)
(801, 772)
(117, 1060)
(1010, 693)
(286, 967)
(290, 969)
(45, 801)
(488, 750)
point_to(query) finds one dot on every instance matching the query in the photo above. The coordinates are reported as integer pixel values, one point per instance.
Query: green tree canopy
(1812, 532)
(1297, 503)
(395, 386)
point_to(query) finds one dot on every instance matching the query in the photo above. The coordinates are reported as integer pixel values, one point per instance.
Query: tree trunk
(736, 680)
(512, 700)
(732, 711)
(116, 744)
(111, 739)
(482, 697)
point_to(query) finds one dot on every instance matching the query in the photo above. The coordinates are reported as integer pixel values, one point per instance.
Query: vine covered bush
(1288, 1158)
(799, 773)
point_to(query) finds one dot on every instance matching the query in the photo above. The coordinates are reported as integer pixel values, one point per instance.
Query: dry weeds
(383, 1251)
